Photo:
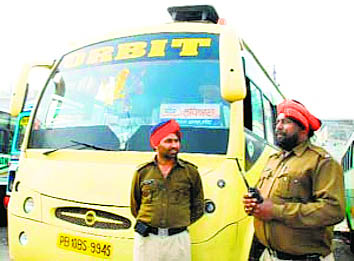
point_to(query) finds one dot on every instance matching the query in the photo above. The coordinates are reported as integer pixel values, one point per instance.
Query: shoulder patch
(273, 155)
(143, 165)
(188, 163)
(321, 151)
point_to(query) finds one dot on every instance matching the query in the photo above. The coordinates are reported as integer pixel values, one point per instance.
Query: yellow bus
(348, 170)
(89, 130)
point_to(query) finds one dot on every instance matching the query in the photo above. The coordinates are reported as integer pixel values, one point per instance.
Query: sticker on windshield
(192, 114)
(112, 89)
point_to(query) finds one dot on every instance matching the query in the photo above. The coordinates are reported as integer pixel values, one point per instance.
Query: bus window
(347, 161)
(254, 123)
(257, 111)
(3, 141)
(350, 165)
(21, 132)
(269, 119)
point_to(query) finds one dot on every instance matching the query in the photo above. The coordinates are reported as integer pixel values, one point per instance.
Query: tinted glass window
(111, 94)
(257, 111)
(21, 132)
(269, 120)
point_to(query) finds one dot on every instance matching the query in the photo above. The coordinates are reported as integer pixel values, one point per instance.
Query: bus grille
(92, 218)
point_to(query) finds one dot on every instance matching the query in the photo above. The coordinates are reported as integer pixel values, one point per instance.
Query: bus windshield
(110, 94)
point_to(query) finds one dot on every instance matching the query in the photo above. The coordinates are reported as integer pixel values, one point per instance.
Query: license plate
(83, 245)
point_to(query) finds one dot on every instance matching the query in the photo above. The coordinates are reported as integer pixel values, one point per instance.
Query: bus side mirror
(232, 80)
(20, 91)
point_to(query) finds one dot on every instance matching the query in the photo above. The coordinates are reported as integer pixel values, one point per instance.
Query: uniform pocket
(267, 174)
(283, 189)
(292, 187)
(180, 194)
(149, 191)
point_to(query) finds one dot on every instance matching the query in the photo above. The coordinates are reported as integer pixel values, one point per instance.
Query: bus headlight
(28, 205)
(23, 238)
(209, 206)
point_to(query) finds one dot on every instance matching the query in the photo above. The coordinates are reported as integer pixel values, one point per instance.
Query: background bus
(348, 168)
(36, 78)
(6, 131)
(19, 133)
(89, 131)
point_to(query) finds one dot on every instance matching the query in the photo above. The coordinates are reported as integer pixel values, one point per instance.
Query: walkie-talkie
(251, 190)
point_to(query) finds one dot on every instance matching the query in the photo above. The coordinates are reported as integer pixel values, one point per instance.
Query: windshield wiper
(76, 143)
(90, 145)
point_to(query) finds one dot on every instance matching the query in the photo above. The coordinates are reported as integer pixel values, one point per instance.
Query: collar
(298, 150)
(178, 162)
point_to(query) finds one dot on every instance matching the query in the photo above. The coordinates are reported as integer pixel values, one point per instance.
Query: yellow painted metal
(19, 93)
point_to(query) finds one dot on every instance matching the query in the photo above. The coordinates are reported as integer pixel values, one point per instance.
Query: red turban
(297, 111)
(161, 130)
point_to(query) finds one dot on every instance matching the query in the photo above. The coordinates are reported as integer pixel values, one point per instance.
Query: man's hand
(264, 211)
(249, 203)
(261, 211)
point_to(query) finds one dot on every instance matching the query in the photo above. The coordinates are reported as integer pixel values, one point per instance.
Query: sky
(308, 42)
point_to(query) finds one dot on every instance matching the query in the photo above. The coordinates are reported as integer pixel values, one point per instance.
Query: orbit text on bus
(186, 47)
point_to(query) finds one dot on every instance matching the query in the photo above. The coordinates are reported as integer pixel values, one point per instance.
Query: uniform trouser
(267, 257)
(162, 248)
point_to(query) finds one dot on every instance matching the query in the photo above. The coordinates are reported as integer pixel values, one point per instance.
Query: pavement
(341, 247)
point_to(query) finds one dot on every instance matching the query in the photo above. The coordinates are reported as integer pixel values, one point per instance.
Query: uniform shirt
(174, 201)
(306, 188)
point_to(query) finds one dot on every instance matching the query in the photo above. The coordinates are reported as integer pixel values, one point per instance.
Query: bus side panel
(221, 247)
(245, 228)
(349, 197)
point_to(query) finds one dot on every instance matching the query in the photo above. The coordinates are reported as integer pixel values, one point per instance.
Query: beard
(169, 155)
(287, 142)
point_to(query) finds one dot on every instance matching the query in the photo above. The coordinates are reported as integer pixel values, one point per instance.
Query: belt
(166, 231)
(286, 256)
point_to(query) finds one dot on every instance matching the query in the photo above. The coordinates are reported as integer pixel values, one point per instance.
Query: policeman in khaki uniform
(303, 191)
(166, 197)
